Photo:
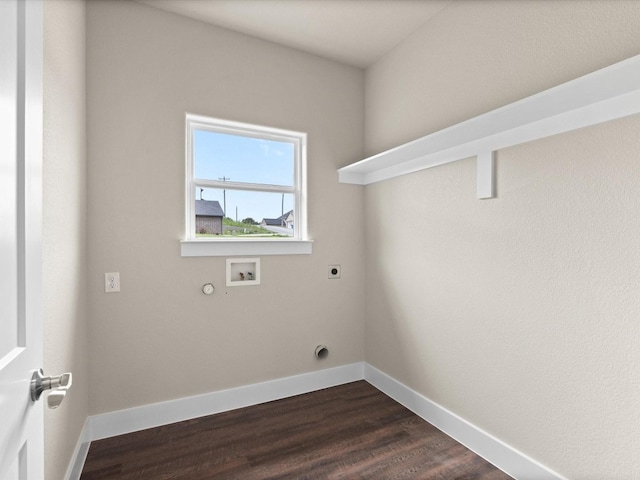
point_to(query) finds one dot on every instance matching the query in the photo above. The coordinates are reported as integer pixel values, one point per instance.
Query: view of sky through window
(242, 159)
(236, 158)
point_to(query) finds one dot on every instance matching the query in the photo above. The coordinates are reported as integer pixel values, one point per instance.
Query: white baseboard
(148, 416)
(80, 452)
(120, 422)
(506, 458)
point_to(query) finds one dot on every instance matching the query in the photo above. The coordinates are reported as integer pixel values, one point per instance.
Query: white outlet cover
(112, 282)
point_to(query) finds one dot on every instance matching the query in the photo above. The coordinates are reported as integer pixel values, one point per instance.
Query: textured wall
(160, 337)
(519, 313)
(64, 226)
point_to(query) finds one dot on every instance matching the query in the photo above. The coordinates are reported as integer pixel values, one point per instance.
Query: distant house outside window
(209, 217)
(283, 221)
(244, 182)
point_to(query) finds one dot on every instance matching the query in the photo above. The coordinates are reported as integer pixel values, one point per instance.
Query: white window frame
(299, 243)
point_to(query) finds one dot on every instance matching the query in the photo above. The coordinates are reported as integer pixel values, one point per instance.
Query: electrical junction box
(334, 271)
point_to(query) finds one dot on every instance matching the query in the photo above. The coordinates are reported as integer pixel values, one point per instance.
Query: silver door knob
(59, 385)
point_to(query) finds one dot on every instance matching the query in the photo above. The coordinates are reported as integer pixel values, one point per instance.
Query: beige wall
(519, 313)
(160, 338)
(64, 227)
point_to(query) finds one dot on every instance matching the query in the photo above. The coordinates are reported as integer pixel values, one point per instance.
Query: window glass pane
(220, 156)
(248, 214)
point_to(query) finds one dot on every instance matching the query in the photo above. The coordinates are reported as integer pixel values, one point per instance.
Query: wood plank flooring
(348, 432)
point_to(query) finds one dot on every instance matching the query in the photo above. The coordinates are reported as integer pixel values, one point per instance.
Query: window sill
(224, 247)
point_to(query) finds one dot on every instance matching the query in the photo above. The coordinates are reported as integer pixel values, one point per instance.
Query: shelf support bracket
(486, 168)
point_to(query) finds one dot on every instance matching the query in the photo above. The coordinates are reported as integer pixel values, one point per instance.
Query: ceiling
(356, 32)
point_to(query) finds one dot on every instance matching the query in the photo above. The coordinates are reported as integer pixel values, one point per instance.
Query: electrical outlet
(334, 271)
(112, 282)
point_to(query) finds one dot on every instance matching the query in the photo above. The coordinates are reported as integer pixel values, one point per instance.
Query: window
(245, 189)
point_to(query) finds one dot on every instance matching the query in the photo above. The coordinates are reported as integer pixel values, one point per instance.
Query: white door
(21, 425)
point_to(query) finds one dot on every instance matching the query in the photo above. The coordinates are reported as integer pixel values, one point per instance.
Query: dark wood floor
(348, 432)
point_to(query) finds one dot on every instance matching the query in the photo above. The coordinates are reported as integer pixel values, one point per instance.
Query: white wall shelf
(607, 94)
